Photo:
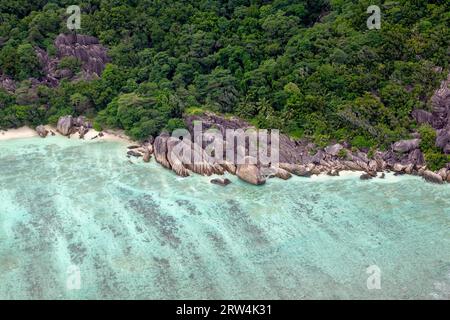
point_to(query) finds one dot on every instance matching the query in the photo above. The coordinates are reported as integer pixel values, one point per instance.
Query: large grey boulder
(405, 146)
(416, 157)
(422, 116)
(282, 174)
(432, 177)
(297, 169)
(65, 125)
(334, 149)
(250, 173)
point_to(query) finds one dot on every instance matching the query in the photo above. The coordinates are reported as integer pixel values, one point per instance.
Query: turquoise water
(139, 231)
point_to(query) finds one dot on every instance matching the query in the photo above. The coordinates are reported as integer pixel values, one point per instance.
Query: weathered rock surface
(41, 131)
(250, 173)
(160, 150)
(282, 174)
(64, 125)
(175, 158)
(406, 145)
(83, 130)
(334, 149)
(430, 176)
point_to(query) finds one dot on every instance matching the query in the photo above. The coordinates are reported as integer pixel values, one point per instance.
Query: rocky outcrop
(41, 131)
(86, 49)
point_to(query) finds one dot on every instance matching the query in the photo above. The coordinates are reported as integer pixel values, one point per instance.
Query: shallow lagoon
(138, 231)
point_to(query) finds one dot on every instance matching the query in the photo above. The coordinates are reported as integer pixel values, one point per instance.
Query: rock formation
(65, 125)
(42, 132)
(250, 172)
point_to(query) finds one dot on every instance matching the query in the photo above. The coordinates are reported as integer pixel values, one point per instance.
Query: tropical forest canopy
(309, 67)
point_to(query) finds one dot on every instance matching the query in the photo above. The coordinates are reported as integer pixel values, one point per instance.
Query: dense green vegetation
(310, 67)
(433, 156)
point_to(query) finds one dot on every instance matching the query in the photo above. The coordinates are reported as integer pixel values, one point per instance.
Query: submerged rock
(221, 182)
(366, 176)
(134, 154)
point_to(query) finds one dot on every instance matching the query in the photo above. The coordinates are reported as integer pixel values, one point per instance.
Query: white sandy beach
(27, 132)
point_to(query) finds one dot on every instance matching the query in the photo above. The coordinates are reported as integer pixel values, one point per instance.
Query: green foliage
(434, 157)
(309, 68)
(343, 153)
(71, 63)
(428, 138)
(361, 142)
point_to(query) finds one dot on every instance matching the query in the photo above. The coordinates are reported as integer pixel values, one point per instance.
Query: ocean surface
(78, 220)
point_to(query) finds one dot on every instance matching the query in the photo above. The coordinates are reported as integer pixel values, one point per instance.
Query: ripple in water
(138, 231)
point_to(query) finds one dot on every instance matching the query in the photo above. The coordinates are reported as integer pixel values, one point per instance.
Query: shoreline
(27, 132)
(120, 137)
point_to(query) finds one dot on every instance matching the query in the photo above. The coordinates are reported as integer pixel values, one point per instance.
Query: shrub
(428, 138)
(342, 153)
(436, 160)
(362, 142)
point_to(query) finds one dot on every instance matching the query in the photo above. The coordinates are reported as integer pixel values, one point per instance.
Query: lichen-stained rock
(175, 157)
(65, 125)
(250, 173)
(41, 131)
(160, 150)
